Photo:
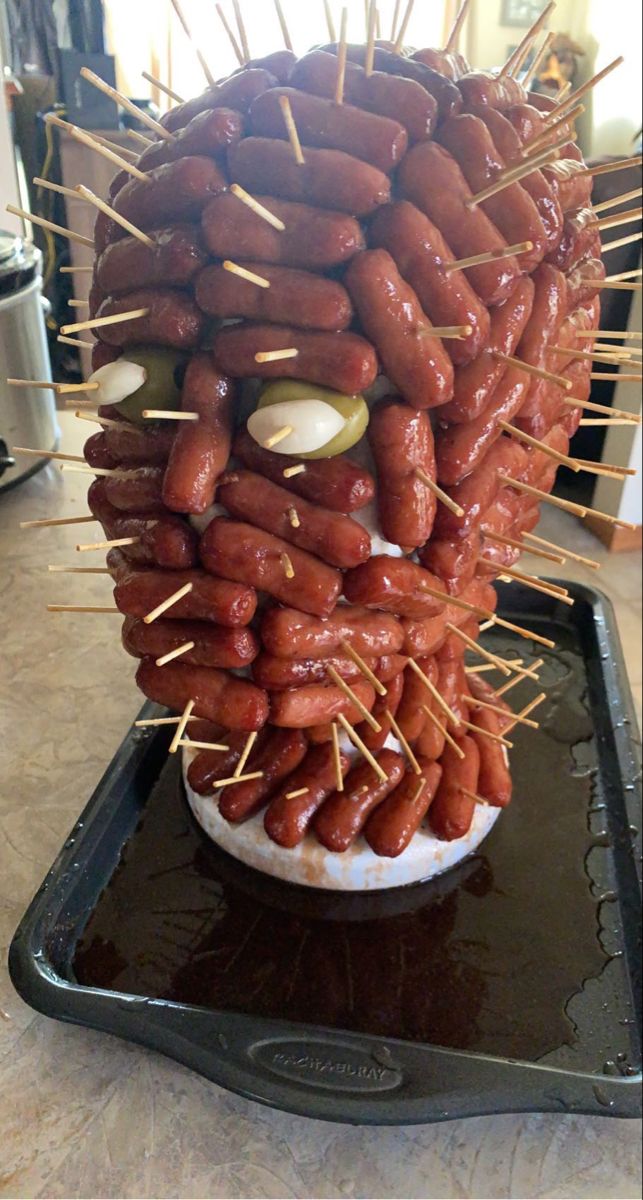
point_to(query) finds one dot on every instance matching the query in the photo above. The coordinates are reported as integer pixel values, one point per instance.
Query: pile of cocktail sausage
(358, 280)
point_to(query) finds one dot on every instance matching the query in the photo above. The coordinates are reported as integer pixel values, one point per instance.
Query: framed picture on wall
(520, 13)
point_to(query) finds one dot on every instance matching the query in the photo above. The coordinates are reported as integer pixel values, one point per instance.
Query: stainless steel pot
(27, 415)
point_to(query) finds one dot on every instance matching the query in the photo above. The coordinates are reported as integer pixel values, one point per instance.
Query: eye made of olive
(146, 377)
(298, 418)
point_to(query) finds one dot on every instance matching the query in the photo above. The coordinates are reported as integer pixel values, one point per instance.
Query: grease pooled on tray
(485, 959)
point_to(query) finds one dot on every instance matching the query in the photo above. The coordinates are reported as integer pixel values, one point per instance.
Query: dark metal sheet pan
(510, 985)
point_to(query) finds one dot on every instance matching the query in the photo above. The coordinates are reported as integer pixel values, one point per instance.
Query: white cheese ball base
(311, 865)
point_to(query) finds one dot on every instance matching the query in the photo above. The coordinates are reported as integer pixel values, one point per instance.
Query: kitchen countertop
(83, 1114)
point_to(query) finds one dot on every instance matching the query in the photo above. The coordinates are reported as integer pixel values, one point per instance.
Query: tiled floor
(66, 697)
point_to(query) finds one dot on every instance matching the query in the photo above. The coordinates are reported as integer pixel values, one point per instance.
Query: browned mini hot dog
(341, 361)
(494, 778)
(328, 178)
(341, 819)
(217, 696)
(209, 132)
(445, 93)
(382, 710)
(394, 585)
(321, 122)
(214, 646)
(535, 184)
(136, 490)
(174, 259)
(584, 280)
(314, 704)
(172, 319)
(315, 238)
(475, 382)
(334, 538)
(452, 812)
(479, 489)
(410, 715)
(431, 178)
(177, 191)
(289, 633)
(461, 448)
(402, 442)
(512, 210)
(580, 238)
(278, 757)
(426, 636)
(201, 448)
(129, 444)
(235, 550)
(276, 674)
(288, 815)
(336, 483)
(391, 827)
(210, 765)
(422, 256)
(296, 298)
(238, 92)
(218, 600)
(388, 95)
(165, 541)
(483, 87)
(392, 316)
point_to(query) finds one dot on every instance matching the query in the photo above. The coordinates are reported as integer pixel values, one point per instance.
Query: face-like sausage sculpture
(327, 493)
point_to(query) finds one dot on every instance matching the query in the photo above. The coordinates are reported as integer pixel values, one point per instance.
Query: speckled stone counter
(84, 1115)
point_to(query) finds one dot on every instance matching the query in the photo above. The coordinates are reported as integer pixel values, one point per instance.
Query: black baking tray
(511, 984)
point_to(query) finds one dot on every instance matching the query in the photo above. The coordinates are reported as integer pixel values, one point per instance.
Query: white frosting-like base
(357, 870)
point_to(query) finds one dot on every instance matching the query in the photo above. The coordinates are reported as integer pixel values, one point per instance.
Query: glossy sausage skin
(296, 298)
(535, 184)
(175, 258)
(173, 319)
(335, 483)
(460, 449)
(208, 133)
(315, 239)
(209, 765)
(401, 441)
(238, 92)
(218, 600)
(129, 444)
(383, 708)
(484, 88)
(512, 210)
(287, 820)
(391, 827)
(410, 714)
(218, 697)
(343, 362)
(139, 490)
(276, 674)
(475, 382)
(421, 255)
(281, 754)
(214, 646)
(328, 178)
(336, 539)
(201, 448)
(479, 489)
(428, 635)
(433, 181)
(444, 92)
(394, 585)
(494, 779)
(177, 191)
(321, 122)
(236, 550)
(451, 813)
(314, 704)
(391, 314)
(164, 541)
(405, 100)
(342, 818)
(580, 239)
(289, 633)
